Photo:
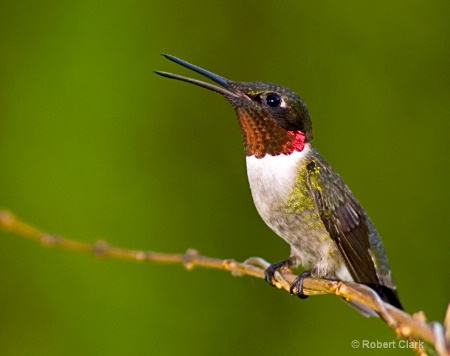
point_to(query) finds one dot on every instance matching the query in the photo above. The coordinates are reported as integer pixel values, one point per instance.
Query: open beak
(225, 88)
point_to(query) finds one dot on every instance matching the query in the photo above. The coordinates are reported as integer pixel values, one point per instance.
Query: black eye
(273, 100)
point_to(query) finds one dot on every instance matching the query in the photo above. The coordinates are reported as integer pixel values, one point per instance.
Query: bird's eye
(273, 100)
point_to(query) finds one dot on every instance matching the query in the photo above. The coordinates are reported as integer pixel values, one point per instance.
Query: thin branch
(413, 327)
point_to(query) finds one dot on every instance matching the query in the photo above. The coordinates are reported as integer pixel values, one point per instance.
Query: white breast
(271, 178)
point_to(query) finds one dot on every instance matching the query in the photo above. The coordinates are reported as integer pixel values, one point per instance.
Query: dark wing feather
(344, 220)
(347, 224)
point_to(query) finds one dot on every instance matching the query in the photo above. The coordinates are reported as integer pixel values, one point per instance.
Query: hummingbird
(297, 193)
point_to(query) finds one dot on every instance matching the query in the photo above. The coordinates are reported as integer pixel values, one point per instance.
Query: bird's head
(273, 119)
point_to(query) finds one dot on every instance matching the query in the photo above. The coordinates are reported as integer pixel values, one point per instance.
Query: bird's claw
(296, 287)
(269, 273)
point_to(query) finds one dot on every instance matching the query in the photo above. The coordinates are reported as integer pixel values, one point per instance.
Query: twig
(413, 327)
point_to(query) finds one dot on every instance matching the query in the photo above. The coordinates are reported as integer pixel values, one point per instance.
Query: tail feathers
(390, 296)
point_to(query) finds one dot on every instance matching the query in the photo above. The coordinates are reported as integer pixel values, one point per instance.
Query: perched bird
(297, 193)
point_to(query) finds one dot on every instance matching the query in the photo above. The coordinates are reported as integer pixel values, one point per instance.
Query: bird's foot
(297, 286)
(272, 269)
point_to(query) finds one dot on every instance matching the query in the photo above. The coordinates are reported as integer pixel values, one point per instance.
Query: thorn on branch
(189, 258)
(49, 240)
(140, 256)
(100, 248)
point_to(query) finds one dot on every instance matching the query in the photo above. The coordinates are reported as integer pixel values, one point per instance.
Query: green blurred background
(93, 145)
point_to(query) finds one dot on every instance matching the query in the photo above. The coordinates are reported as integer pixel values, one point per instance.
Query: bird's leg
(297, 285)
(270, 271)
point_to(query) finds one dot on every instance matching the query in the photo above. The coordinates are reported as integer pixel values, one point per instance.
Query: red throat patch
(262, 137)
(297, 143)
